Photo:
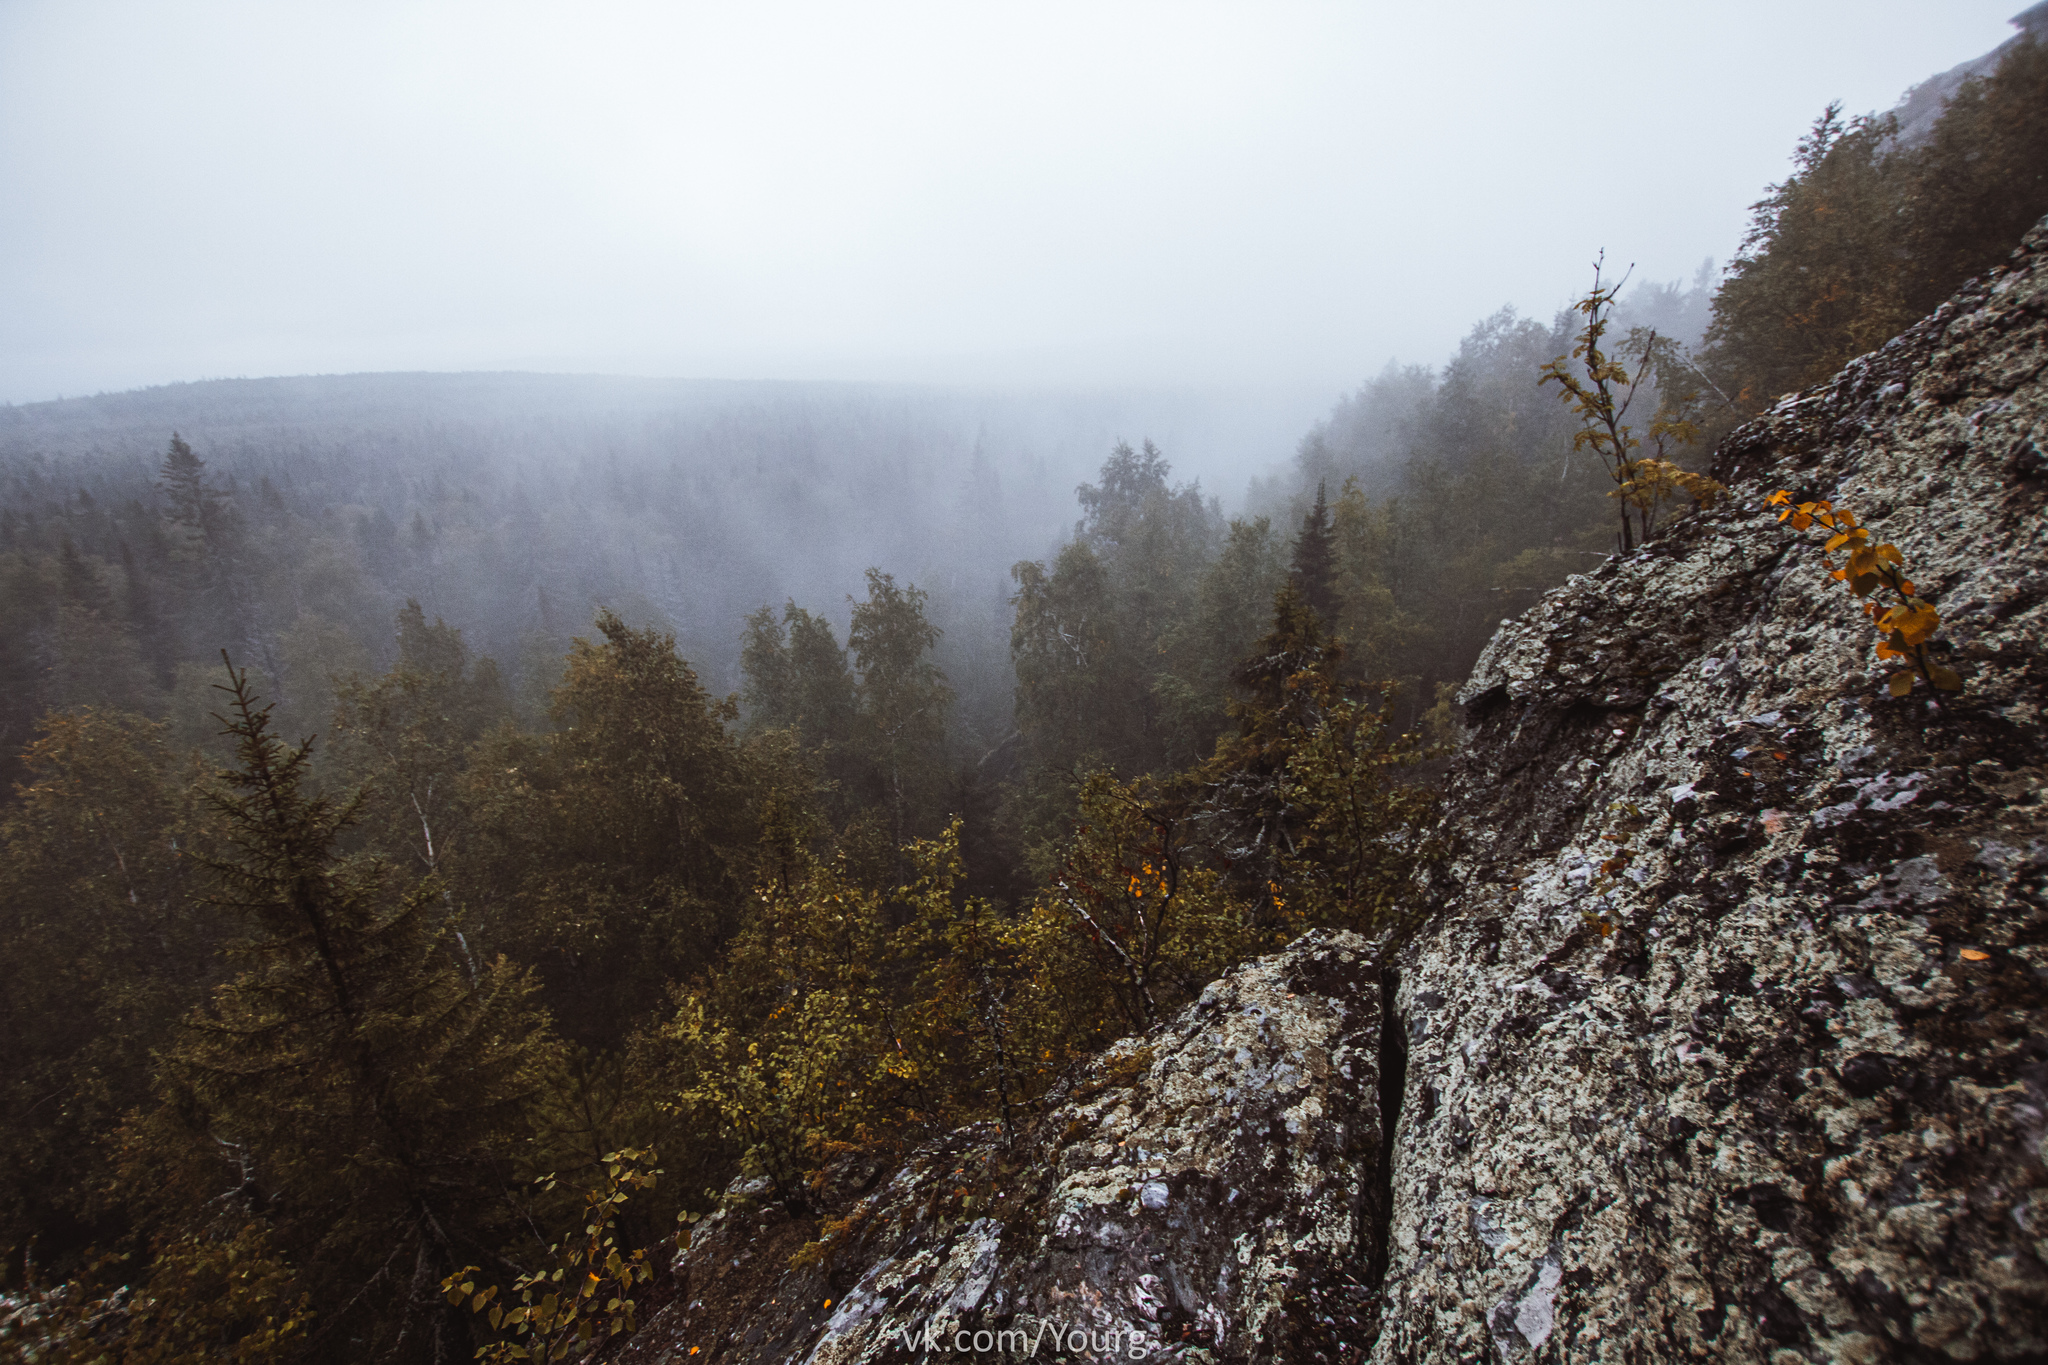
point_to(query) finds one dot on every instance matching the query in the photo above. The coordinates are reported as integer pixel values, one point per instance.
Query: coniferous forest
(401, 845)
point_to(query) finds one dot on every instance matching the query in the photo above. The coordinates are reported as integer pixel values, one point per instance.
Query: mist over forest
(430, 800)
(514, 506)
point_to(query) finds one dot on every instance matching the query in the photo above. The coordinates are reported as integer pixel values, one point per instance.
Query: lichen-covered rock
(1732, 1041)
(1728, 1039)
(1205, 1192)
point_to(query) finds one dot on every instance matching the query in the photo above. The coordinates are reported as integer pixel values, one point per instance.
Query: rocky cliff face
(1733, 1040)
(1729, 1040)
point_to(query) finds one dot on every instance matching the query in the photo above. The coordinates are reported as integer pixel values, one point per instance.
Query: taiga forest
(458, 826)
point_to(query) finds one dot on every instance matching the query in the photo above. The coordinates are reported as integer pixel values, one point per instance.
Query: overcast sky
(1259, 193)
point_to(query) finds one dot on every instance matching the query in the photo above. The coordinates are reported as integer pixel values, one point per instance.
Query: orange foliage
(1903, 628)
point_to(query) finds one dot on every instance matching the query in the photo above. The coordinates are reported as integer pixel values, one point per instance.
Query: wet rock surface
(1731, 1042)
(1728, 1041)
(1207, 1191)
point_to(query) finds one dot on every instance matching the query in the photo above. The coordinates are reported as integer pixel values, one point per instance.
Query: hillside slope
(1922, 105)
(1730, 1039)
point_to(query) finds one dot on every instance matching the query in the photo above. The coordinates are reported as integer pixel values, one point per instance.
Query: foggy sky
(1269, 193)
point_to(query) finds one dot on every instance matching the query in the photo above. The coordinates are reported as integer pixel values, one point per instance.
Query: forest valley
(350, 1047)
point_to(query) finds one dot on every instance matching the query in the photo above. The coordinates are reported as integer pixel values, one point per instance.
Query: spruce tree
(206, 540)
(1315, 561)
(1306, 803)
(194, 509)
(353, 1083)
(612, 853)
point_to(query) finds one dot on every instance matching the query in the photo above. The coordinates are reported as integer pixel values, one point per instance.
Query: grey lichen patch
(1733, 1031)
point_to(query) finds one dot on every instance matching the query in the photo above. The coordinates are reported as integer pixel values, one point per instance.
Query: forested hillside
(514, 505)
(439, 802)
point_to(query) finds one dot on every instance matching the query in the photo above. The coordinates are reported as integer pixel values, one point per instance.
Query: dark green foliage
(1232, 604)
(1067, 651)
(408, 734)
(613, 853)
(1315, 559)
(798, 678)
(1452, 499)
(875, 736)
(1306, 805)
(1093, 635)
(1817, 280)
(206, 538)
(103, 956)
(1867, 235)
(1981, 180)
(903, 700)
(1303, 816)
(355, 1081)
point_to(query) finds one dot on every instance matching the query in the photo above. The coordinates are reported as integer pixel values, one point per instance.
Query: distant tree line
(1871, 232)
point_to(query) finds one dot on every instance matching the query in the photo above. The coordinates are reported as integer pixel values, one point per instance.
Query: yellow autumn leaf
(1917, 622)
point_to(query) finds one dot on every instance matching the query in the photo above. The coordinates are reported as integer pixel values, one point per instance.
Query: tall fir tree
(614, 852)
(1315, 560)
(354, 1086)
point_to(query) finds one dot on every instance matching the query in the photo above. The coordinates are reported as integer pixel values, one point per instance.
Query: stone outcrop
(1728, 1040)
(1731, 1043)
(1204, 1188)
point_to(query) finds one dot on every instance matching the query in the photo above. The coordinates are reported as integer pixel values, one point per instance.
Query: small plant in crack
(1907, 622)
